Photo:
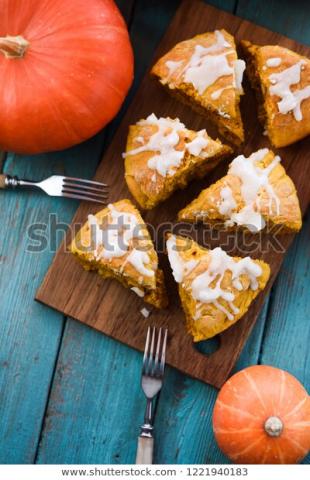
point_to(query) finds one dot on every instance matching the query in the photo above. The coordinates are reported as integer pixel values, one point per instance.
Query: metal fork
(152, 379)
(58, 186)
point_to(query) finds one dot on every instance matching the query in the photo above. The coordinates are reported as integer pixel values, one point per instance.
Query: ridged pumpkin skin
(72, 78)
(246, 401)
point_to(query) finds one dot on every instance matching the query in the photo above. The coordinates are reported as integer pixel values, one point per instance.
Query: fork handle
(6, 181)
(3, 181)
(145, 450)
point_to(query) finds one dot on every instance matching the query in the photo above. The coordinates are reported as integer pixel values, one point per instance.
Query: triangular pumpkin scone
(215, 289)
(281, 80)
(206, 73)
(255, 192)
(116, 243)
(162, 155)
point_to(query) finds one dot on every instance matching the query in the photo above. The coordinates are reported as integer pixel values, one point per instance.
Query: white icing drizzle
(180, 268)
(199, 143)
(172, 66)
(219, 263)
(138, 291)
(281, 87)
(219, 44)
(273, 62)
(138, 259)
(227, 201)
(204, 70)
(208, 64)
(239, 67)
(225, 310)
(115, 238)
(217, 93)
(167, 158)
(114, 245)
(223, 114)
(247, 217)
(164, 141)
(253, 179)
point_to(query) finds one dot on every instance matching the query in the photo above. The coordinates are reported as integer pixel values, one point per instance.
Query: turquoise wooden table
(63, 394)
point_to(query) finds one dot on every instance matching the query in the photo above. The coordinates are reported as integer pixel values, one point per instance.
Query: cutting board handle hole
(207, 347)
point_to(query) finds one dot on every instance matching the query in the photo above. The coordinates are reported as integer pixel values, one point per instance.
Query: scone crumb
(145, 312)
(138, 291)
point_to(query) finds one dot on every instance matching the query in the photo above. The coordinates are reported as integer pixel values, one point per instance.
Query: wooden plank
(227, 5)
(290, 19)
(153, 18)
(67, 418)
(287, 17)
(2, 159)
(28, 359)
(95, 402)
(184, 417)
(30, 334)
(183, 397)
(73, 431)
(107, 306)
(286, 339)
(183, 421)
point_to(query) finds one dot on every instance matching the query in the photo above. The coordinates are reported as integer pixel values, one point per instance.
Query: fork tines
(154, 362)
(87, 190)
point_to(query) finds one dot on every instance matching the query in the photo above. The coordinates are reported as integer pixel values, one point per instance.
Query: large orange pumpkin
(262, 415)
(65, 68)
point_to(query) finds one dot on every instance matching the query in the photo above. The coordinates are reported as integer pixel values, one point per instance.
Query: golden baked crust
(108, 251)
(278, 205)
(219, 101)
(150, 186)
(262, 63)
(205, 320)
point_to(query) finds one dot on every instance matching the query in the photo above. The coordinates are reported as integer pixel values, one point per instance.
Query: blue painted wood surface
(64, 394)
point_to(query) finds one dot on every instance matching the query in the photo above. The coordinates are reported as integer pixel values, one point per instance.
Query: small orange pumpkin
(262, 415)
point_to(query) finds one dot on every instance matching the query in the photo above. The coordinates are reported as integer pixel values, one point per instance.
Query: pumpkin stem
(273, 426)
(13, 47)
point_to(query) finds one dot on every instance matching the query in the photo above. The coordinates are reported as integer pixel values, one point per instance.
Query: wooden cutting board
(107, 306)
